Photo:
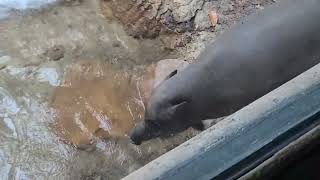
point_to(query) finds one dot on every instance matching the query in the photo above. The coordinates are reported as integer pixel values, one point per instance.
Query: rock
(146, 83)
(71, 2)
(49, 75)
(213, 16)
(55, 53)
(4, 61)
(184, 10)
(202, 20)
(33, 62)
(182, 41)
(2, 66)
(173, 41)
(146, 19)
(139, 17)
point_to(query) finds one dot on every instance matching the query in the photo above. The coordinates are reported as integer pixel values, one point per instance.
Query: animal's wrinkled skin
(253, 58)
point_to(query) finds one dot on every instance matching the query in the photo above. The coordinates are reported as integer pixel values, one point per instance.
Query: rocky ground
(183, 25)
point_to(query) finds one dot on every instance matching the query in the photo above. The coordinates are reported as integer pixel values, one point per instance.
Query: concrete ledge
(285, 157)
(245, 139)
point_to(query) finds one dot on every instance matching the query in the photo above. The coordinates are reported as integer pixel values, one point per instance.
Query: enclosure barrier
(249, 140)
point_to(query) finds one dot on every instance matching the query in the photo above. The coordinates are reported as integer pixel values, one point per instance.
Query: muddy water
(63, 68)
(95, 102)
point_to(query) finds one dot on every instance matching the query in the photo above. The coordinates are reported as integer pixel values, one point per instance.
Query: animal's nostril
(135, 137)
(137, 133)
(135, 140)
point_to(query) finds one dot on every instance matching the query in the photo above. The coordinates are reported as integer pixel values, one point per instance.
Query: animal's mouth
(136, 134)
(144, 131)
(152, 129)
(134, 141)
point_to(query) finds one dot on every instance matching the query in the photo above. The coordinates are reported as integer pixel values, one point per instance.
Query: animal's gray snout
(137, 133)
(143, 131)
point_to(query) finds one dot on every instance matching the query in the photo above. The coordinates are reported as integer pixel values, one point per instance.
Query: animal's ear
(171, 74)
(168, 77)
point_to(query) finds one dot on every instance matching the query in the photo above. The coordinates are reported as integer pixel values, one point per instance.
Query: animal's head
(167, 112)
(166, 108)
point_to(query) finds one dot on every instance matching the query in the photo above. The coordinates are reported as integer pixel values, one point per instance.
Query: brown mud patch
(95, 102)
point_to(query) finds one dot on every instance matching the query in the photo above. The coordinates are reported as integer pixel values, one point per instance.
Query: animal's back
(253, 58)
